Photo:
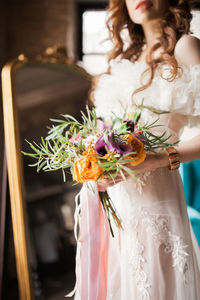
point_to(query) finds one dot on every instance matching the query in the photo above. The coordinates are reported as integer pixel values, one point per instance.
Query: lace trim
(158, 227)
(136, 261)
(141, 180)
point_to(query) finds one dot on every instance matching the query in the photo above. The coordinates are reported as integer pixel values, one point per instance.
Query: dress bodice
(179, 99)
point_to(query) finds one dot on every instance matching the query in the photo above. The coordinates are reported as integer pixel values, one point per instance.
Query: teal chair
(190, 173)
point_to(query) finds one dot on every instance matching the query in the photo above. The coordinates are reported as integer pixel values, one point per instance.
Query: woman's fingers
(115, 180)
(107, 181)
(148, 165)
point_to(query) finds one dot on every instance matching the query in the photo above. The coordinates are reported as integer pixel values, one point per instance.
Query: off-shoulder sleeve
(182, 95)
(191, 91)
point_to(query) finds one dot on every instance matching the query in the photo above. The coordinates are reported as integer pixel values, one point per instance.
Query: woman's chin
(145, 16)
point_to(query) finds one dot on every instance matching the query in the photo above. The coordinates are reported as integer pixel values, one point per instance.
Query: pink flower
(75, 139)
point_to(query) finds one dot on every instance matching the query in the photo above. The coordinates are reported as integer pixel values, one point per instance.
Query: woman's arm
(189, 150)
(186, 52)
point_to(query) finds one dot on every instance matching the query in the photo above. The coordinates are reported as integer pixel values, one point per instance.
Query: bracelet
(174, 159)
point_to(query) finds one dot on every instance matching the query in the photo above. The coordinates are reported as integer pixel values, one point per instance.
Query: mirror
(42, 205)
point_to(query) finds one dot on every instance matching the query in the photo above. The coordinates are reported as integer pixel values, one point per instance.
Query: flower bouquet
(92, 149)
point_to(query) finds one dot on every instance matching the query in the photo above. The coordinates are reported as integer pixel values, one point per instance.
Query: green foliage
(58, 151)
(64, 145)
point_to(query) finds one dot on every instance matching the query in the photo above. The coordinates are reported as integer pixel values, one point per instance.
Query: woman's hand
(151, 163)
(104, 183)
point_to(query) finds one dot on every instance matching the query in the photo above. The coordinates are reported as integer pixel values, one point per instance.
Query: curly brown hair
(175, 23)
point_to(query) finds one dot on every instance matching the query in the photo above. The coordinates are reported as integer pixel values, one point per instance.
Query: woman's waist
(148, 187)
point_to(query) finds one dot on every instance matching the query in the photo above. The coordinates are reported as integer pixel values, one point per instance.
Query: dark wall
(36, 25)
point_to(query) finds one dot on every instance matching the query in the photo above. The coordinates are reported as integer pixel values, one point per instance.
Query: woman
(155, 255)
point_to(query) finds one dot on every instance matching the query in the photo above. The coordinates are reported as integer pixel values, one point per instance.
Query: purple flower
(114, 145)
(100, 146)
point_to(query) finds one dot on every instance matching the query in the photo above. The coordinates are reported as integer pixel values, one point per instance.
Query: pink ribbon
(92, 249)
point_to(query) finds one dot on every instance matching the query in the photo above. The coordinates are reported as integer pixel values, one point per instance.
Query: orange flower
(90, 152)
(86, 168)
(137, 147)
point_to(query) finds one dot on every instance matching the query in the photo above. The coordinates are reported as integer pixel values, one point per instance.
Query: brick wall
(36, 25)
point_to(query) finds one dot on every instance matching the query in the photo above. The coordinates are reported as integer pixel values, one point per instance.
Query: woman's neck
(152, 31)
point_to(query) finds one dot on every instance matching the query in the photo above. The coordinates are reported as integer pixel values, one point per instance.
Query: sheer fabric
(156, 256)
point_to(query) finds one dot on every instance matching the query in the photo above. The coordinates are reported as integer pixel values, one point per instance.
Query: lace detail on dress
(179, 253)
(141, 180)
(136, 261)
(158, 227)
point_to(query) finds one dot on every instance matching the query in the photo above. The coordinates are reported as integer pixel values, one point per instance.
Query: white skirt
(156, 255)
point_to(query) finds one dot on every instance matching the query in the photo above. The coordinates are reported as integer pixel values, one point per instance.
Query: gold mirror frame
(54, 55)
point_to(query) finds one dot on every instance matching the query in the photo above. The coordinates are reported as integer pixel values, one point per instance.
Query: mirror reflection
(43, 92)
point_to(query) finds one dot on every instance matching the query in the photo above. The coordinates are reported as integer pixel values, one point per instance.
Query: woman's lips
(145, 4)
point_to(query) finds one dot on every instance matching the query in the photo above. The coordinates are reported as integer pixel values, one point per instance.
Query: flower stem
(110, 211)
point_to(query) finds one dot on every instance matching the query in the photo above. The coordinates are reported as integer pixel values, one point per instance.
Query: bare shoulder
(187, 50)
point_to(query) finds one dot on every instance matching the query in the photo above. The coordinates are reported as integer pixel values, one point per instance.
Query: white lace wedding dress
(156, 256)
